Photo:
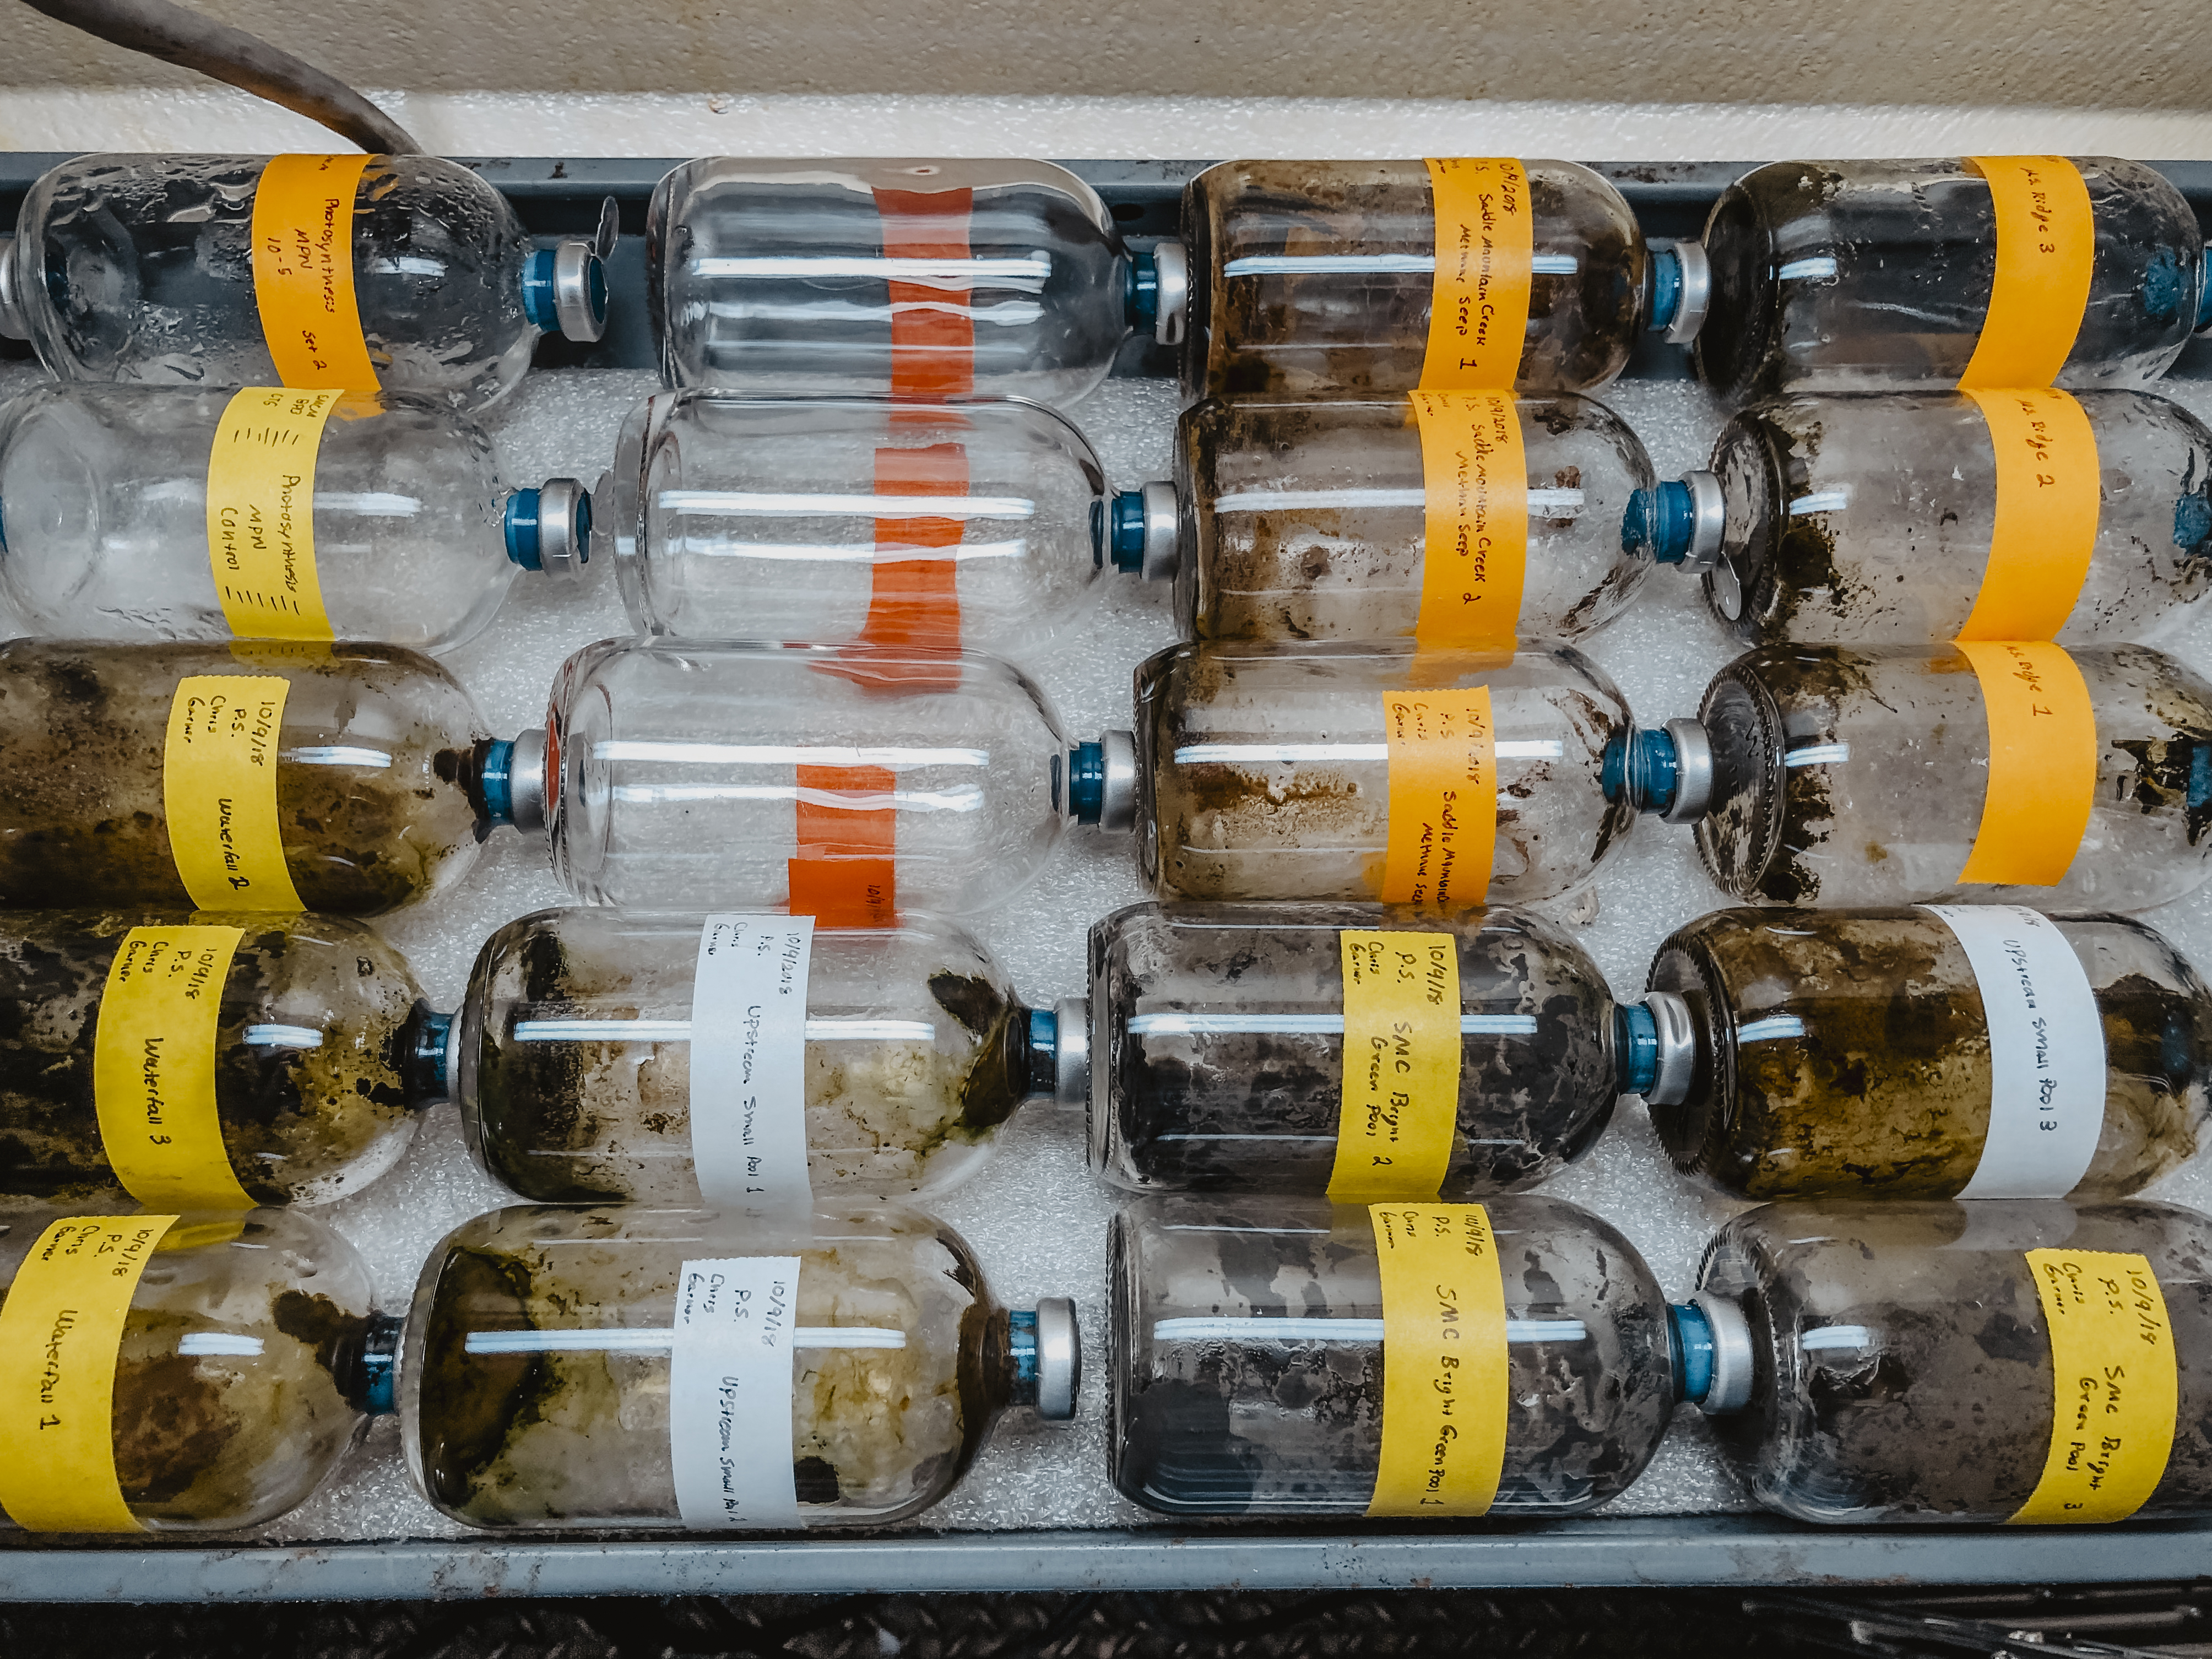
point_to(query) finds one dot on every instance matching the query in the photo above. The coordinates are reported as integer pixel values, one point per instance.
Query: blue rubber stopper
(1636, 1047)
(538, 302)
(1663, 519)
(2193, 523)
(1693, 1350)
(2204, 289)
(1086, 781)
(1022, 1341)
(1044, 1051)
(497, 776)
(2161, 288)
(521, 527)
(1666, 287)
(1127, 540)
(380, 1366)
(1140, 292)
(1645, 766)
(428, 1084)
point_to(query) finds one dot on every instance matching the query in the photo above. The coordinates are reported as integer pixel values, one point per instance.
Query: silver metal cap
(1070, 1072)
(1171, 269)
(1708, 519)
(1725, 588)
(526, 780)
(564, 528)
(1696, 296)
(1693, 772)
(1730, 1389)
(14, 325)
(1163, 533)
(1677, 1049)
(1117, 803)
(1059, 1358)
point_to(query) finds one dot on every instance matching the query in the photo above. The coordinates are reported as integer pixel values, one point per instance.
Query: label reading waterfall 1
(2046, 246)
(261, 511)
(2115, 1387)
(219, 792)
(2046, 1051)
(1444, 1360)
(1475, 550)
(749, 1060)
(1443, 796)
(1399, 1103)
(2043, 762)
(303, 272)
(729, 1393)
(60, 1329)
(2049, 496)
(1486, 249)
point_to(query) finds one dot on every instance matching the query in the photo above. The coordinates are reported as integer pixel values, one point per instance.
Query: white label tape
(749, 1060)
(729, 1393)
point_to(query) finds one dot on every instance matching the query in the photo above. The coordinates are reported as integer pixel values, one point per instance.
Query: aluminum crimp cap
(1171, 270)
(1677, 1062)
(525, 785)
(1697, 297)
(1059, 1358)
(1071, 1077)
(1693, 772)
(1163, 533)
(1730, 1388)
(1117, 805)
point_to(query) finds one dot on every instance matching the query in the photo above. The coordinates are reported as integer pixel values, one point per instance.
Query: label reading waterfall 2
(1475, 550)
(219, 791)
(1443, 796)
(2046, 246)
(153, 1069)
(1399, 1103)
(2048, 497)
(303, 272)
(730, 1385)
(1444, 1360)
(261, 513)
(2043, 762)
(749, 1060)
(60, 1329)
(2115, 1387)
(1478, 298)
(2046, 1051)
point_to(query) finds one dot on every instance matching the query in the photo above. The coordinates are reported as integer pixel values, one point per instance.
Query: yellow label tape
(1486, 249)
(1475, 554)
(2046, 245)
(303, 272)
(1444, 1360)
(219, 790)
(2043, 762)
(153, 1069)
(1443, 796)
(2115, 1387)
(2049, 496)
(1399, 1100)
(261, 513)
(60, 1329)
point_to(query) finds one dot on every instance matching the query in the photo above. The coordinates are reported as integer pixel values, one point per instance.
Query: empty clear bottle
(322, 1049)
(576, 1368)
(1247, 1357)
(1895, 1363)
(1844, 777)
(1877, 276)
(375, 798)
(577, 1084)
(106, 530)
(826, 520)
(159, 268)
(1319, 276)
(1310, 520)
(925, 279)
(1217, 1045)
(1872, 519)
(250, 1362)
(1267, 772)
(1918, 1054)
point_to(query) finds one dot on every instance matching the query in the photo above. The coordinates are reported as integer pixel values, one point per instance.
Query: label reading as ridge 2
(749, 1060)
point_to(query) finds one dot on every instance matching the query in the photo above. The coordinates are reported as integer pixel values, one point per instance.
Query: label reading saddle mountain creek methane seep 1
(729, 1393)
(749, 1060)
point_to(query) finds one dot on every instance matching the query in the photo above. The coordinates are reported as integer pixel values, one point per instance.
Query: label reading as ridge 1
(219, 792)
(1399, 1102)
(749, 1060)
(2046, 1052)
(261, 513)
(729, 1393)
(2043, 764)
(1444, 1360)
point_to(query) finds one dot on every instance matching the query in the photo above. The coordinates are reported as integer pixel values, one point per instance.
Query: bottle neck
(1655, 1048)
(1059, 1051)
(1682, 521)
(1711, 1343)
(511, 780)
(564, 290)
(1144, 535)
(1097, 782)
(1043, 1359)
(549, 529)
(1156, 291)
(425, 1056)
(1681, 290)
(1667, 771)
(373, 1386)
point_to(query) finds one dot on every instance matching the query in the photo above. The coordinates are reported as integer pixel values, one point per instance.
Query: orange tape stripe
(2048, 497)
(303, 272)
(1443, 796)
(2046, 248)
(1475, 559)
(845, 875)
(1485, 242)
(2043, 762)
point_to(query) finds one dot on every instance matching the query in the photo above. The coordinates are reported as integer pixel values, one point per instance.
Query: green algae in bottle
(1975, 1051)
(180, 1373)
(608, 1056)
(704, 1371)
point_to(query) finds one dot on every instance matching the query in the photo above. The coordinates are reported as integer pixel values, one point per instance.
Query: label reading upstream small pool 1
(1475, 550)
(261, 513)
(1444, 1360)
(1443, 796)
(303, 272)
(729, 1393)
(749, 1060)
(2043, 762)
(219, 792)
(1399, 1104)
(1486, 251)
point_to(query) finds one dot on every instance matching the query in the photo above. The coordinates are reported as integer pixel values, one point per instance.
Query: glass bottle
(537, 1379)
(1893, 1362)
(1318, 277)
(877, 779)
(1857, 777)
(818, 519)
(1213, 1413)
(324, 1050)
(1307, 521)
(926, 279)
(1855, 1055)
(378, 797)
(250, 1362)
(1868, 519)
(1877, 275)
(104, 518)
(575, 1075)
(128, 267)
(1264, 770)
(1216, 1037)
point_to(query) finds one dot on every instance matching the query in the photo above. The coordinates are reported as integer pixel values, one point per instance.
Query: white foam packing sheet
(1036, 1218)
